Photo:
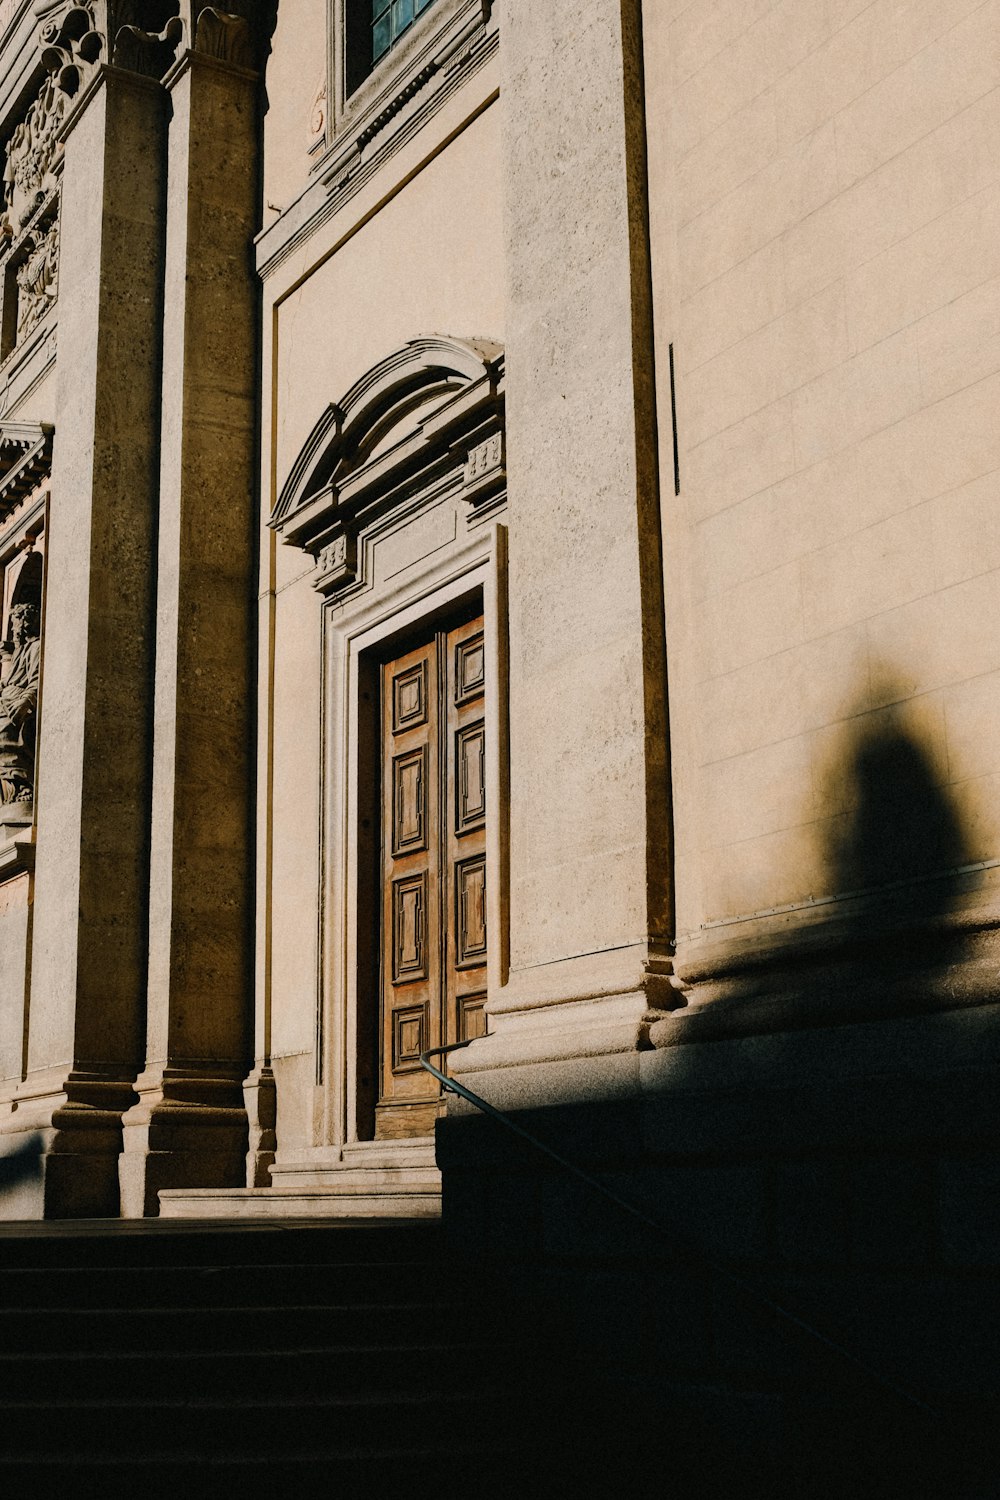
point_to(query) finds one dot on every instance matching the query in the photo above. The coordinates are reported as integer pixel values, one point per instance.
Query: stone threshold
(362, 1180)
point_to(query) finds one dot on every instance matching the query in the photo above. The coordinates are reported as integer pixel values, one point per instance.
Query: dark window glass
(373, 28)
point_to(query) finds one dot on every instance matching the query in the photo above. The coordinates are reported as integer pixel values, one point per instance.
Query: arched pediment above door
(429, 417)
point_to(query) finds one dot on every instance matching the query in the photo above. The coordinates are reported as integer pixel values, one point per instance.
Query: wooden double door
(432, 937)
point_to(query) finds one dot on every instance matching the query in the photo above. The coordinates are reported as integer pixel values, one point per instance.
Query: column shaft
(590, 878)
(190, 1127)
(87, 1001)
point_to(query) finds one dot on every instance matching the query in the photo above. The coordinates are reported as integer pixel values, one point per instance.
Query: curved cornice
(349, 426)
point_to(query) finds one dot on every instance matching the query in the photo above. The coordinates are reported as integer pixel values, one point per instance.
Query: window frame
(359, 59)
(441, 32)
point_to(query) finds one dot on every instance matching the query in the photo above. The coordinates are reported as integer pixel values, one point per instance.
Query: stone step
(245, 1372)
(486, 1469)
(132, 1287)
(397, 1179)
(282, 1240)
(328, 1193)
(72, 1330)
(419, 1152)
(268, 1425)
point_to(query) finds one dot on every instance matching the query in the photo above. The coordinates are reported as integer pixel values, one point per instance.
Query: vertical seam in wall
(268, 913)
(658, 791)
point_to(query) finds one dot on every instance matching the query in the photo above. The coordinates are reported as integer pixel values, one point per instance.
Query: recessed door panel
(470, 779)
(433, 905)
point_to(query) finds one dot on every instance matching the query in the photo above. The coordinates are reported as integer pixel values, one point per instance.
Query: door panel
(433, 903)
(464, 856)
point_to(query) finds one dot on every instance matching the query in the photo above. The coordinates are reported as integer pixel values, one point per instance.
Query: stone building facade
(500, 545)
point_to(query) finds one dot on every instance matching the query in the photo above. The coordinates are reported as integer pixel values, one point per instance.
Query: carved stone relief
(222, 34)
(38, 279)
(29, 227)
(337, 563)
(21, 656)
(317, 115)
(145, 36)
(32, 152)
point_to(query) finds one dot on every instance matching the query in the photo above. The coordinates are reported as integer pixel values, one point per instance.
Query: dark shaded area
(902, 826)
(23, 1164)
(819, 1311)
(899, 849)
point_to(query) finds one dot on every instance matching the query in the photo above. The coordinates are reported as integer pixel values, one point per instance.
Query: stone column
(189, 1128)
(88, 971)
(590, 874)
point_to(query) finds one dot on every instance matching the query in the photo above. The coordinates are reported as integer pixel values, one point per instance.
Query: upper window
(373, 29)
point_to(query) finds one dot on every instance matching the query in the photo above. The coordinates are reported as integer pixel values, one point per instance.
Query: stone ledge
(300, 1203)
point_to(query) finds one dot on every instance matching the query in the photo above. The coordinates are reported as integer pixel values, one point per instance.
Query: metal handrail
(689, 1248)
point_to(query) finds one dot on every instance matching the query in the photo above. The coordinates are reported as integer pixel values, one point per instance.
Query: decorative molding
(9, 12)
(398, 102)
(444, 32)
(367, 133)
(25, 461)
(353, 452)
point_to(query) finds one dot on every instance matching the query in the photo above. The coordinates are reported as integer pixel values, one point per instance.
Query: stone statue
(37, 279)
(18, 705)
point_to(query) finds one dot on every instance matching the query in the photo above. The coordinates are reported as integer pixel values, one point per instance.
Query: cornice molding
(365, 145)
(25, 461)
(436, 402)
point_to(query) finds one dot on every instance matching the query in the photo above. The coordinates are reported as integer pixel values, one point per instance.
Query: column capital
(77, 38)
(236, 31)
(139, 36)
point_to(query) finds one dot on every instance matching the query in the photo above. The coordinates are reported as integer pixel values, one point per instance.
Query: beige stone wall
(826, 202)
(296, 74)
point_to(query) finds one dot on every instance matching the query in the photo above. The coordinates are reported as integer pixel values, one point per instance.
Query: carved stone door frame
(400, 495)
(477, 573)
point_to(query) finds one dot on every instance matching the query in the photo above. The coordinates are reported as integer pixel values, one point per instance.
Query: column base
(64, 1144)
(261, 1099)
(189, 1130)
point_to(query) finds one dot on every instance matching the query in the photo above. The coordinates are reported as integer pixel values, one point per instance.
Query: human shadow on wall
(749, 1173)
(896, 858)
(882, 932)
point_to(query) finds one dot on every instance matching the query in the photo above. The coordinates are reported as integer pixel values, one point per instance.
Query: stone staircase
(371, 1358)
(348, 1359)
